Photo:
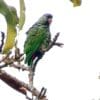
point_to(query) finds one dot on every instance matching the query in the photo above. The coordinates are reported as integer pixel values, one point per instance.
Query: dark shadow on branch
(2, 41)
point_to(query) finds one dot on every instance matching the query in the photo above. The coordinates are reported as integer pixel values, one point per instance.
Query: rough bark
(19, 85)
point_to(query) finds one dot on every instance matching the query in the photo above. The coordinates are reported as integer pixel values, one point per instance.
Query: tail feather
(29, 59)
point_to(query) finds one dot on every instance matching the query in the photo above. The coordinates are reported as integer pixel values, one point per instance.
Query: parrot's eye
(49, 18)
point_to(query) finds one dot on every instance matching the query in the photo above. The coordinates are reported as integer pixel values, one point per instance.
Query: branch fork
(16, 84)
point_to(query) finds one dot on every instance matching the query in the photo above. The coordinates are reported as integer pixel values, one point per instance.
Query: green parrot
(38, 38)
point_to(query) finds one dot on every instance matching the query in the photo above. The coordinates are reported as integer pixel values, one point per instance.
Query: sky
(71, 72)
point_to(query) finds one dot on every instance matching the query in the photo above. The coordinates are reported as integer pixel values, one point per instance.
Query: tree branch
(18, 57)
(14, 82)
(3, 58)
(19, 85)
(2, 41)
(53, 43)
(19, 66)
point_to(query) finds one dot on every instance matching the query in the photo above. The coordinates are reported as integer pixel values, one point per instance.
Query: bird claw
(42, 93)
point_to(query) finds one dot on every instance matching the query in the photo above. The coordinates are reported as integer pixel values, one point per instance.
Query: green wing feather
(35, 38)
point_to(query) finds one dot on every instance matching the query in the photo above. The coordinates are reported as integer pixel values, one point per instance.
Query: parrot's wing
(33, 43)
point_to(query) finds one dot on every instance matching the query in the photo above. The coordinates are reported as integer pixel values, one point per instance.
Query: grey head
(45, 19)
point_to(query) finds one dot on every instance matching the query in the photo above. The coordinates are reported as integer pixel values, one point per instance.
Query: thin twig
(53, 43)
(18, 57)
(19, 66)
(2, 41)
(3, 58)
(58, 44)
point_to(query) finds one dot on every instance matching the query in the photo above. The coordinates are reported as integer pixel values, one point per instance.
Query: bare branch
(53, 43)
(2, 41)
(19, 85)
(58, 44)
(19, 66)
(11, 81)
(3, 58)
(18, 57)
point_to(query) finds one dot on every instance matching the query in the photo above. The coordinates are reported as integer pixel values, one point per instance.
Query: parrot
(38, 38)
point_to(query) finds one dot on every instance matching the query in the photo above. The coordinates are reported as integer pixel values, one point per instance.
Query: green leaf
(22, 14)
(76, 2)
(10, 15)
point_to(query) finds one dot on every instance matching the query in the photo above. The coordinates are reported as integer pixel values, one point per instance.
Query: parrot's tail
(29, 59)
(33, 58)
(2, 41)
